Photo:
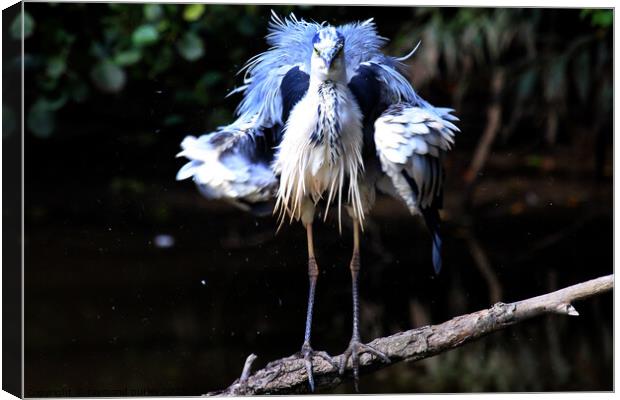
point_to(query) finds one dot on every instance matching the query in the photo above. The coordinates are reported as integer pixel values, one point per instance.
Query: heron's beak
(329, 56)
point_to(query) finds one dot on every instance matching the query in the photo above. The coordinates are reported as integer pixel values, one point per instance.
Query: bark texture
(288, 375)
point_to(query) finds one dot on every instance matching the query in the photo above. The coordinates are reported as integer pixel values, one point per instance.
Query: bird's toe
(308, 354)
(353, 353)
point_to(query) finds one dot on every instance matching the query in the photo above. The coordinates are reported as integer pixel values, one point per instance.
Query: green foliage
(600, 18)
(16, 26)
(546, 68)
(153, 12)
(193, 51)
(144, 35)
(125, 43)
(108, 76)
(41, 118)
(193, 12)
(190, 46)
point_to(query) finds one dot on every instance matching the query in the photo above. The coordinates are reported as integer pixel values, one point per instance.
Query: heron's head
(327, 54)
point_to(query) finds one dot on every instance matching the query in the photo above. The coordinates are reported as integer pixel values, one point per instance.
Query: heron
(327, 121)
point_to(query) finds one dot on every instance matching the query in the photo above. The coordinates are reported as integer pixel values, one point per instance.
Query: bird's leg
(356, 347)
(306, 349)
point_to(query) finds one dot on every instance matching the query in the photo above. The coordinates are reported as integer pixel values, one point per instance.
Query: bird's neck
(328, 128)
(338, 76)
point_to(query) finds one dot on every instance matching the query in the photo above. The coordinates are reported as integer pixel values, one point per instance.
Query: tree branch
(288, 375)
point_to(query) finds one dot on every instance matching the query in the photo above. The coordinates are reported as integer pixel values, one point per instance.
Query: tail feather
(433, 223)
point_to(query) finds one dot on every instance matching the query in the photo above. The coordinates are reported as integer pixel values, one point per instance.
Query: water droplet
(164, 241)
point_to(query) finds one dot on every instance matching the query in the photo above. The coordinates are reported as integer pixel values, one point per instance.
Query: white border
(463, 3)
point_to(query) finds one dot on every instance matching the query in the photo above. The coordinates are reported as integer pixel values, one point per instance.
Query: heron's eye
(316, 51)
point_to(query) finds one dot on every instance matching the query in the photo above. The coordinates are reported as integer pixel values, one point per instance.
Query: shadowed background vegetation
(137, 285)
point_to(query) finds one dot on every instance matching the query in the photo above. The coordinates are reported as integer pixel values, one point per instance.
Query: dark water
(108, 312)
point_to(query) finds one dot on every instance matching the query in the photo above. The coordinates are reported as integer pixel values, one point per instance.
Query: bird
(327, 121)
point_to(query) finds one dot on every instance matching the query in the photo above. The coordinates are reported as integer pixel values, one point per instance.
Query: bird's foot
(308, 354)
(353, 352)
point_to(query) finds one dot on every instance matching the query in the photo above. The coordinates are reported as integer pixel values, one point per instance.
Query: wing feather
(289, 39)
(412, 139)
(231, 163)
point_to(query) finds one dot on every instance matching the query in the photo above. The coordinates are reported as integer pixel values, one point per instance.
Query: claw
(353, 352)
(308, 354)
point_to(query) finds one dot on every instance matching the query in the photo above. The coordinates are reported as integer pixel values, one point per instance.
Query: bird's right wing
(232, 164)
(265, 88)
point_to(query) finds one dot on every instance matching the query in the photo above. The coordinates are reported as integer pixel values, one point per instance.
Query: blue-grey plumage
(325, 115)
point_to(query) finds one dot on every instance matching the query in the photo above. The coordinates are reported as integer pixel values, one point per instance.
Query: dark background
(111, 90)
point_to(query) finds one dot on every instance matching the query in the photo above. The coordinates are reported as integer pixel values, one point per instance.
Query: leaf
(193, 12)
(56, 66)
(602, 18)
(16, 26)
(127, 57)
(40, 120)
(55, 105)
(163, 25)
(153, 12)
(108, 77)
(190, 47)
(144, 35)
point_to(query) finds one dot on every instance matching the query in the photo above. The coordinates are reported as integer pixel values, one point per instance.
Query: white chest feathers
(320, 150)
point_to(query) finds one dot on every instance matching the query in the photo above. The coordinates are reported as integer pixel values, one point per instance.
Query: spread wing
(265, 72)
(406, 136)
(233, 163)
(410, 141)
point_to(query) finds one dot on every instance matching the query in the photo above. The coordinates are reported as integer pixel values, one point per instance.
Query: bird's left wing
(410, 141)
(403, 132)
